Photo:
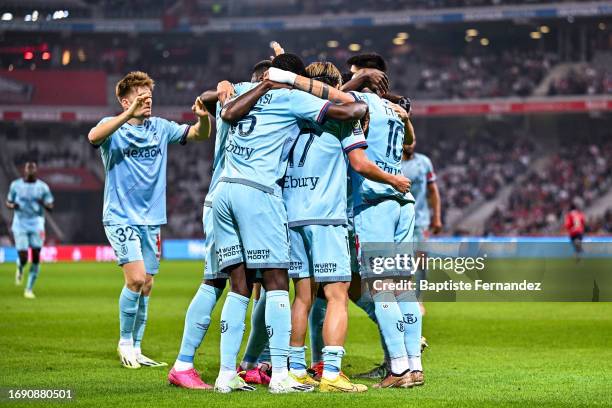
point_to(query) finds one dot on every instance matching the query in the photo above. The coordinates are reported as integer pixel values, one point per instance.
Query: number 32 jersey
(385, 139)
(257, 148)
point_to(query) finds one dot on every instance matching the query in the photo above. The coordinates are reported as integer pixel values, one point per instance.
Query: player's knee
(35, 255)
(337, 292)
(275, 279)
(136, 284)
(23, 257)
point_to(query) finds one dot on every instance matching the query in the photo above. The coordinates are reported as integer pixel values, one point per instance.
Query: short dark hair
(261, 66)
(290, 62)
(368, 61)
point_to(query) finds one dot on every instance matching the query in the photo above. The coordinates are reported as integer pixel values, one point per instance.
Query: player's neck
(29, 179)
(407, 157)
(136, 121)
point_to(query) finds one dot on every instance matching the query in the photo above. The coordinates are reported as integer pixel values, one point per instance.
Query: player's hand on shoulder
(402, 184)
(404, 116)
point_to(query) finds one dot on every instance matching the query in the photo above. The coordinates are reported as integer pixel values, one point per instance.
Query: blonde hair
(325, 72)
(133, 80)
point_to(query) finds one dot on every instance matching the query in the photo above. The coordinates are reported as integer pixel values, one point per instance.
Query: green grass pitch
(481, 354)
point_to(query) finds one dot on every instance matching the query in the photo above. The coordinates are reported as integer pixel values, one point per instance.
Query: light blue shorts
(250, 226)
(386, 222)
(136, 243)
(211, 267)
(29, 239)
(320, 251)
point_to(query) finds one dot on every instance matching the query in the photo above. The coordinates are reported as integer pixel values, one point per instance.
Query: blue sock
(366, 304)
(141, 320)
(413, 323)
(232, 329)
(32, 275)
(128, 307)
(197, 320)
(258, 339)
(391, 324)
(315, 329)
(332, 361)
(278, 327)
(297, 358)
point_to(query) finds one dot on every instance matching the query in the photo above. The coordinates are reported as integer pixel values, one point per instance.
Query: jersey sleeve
(352, 137)
(430, 174)
(244, 87)
(176, 133)
(12, 193)
(308, 107)
(107, 140)
(47, 196)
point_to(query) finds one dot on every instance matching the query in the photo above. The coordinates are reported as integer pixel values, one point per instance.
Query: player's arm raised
(201, 129)
(373, 78)
(224, 91)
(100, 133)
(361, 164)
(312, 86)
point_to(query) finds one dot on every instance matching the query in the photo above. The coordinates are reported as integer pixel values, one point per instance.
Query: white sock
(298, 372)
(415, 363)
(182, 365)
(137, 351)
(225, 375)
(330, 375)
(279, 374)
(399, 365)
(123, 343)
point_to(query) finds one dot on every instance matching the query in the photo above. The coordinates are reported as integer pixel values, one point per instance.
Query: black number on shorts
(121, 232)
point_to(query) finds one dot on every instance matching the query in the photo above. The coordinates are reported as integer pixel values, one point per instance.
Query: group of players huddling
(278, 207)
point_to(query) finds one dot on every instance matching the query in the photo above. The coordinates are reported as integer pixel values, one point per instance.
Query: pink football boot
(187, 379)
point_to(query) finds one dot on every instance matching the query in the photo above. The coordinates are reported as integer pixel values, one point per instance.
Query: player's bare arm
(46, 206)
(12, 205)
(201, 129)
(238, 108)
(312, 86)
(433, 197)
(225, 90)
(139, 108)
(374, 79)
(361, 164)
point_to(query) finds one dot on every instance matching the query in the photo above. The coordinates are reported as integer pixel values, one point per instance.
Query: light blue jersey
(385, 138)
(315, 186)
(134, 159)
(220, 141)
(258, 145)
(30, 216)
(420, 172)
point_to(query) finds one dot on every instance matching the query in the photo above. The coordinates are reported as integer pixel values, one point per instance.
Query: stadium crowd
(573, 175)
(476, 167)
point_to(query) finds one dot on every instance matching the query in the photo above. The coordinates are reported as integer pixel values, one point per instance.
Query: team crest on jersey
(410, 318)
(269, 331)
(400, 325)
(123, 250)
(224, 326)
